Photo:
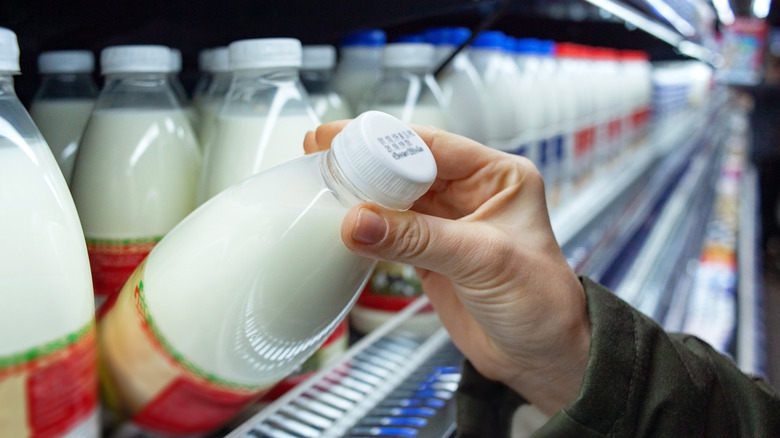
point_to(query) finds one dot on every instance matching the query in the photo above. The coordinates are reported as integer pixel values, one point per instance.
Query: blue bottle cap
(410, 38)
(491, 39)
(527, 46)
(368, 37)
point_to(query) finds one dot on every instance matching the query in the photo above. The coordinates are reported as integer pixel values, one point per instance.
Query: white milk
(238, 333)
(43, 261)
(244, 145)
(420, 114)
(61, 121)
(136, 173)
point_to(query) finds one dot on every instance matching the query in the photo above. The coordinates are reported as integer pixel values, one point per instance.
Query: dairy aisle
(640, 119)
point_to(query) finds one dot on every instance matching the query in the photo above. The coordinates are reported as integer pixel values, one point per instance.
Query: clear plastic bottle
(64, 101)
(214, 96)
(360, 65)
(243, 290)
(178, 88)
(462, 90)
(264, 117)
(501, 79)
(407, 88)
(205, 76)
(316, 76)
(48, 373)
(137, 167)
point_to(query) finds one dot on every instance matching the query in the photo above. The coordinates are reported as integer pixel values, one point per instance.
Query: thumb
(415, 239)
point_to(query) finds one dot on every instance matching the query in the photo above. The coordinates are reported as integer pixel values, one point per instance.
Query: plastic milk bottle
(138, 163)
(48, 373)
(251, 283)
(64, 101)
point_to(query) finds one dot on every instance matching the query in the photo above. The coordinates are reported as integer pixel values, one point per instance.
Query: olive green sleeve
(640, 381)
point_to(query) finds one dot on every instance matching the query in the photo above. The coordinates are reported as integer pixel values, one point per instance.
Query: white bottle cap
(385, 159)
(318, 57)
(175, 55)
(220, 59)
(66, 61)
(135, 59)
(265, 53)
(409, 55)
(9, 51)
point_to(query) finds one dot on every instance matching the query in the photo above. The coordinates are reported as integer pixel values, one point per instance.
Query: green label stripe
(178, 357)
(44, 350)
(138, 241)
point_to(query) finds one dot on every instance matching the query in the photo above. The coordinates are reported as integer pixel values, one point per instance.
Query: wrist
(552, 382)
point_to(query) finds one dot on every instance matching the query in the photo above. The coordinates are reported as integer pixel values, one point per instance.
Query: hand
(488, 260)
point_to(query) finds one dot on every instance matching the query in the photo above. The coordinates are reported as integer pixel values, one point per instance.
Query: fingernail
(370, 227)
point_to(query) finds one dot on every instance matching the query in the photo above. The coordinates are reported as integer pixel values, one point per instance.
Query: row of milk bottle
(218, 311)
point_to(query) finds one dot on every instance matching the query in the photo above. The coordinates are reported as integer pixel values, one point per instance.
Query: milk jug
(48, 373)
(64, 101)
(316, 76)
(138, 162)
(360, 65)
(213, 97)
(462, 90)
(264, 117)
(251, 283)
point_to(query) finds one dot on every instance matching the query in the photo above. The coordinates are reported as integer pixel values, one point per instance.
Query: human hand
(488, 261)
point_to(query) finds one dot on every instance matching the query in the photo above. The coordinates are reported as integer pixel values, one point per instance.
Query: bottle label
(392, 287)
(151, 385)
(51, 390)
(112, 262)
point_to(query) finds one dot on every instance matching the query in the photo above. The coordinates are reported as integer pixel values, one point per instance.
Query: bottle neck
(7, 85)
(316, 81)
(336, 180)
(67, 86)
(137, 90)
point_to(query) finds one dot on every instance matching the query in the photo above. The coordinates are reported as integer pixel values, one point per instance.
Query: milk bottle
(462, 90)
(64, 101)
(214, 96)
(264, 117)
(178, 87)
(48, 373)
(360, 66)
(249, 285)
(571, 59)
(316, 76)
(532, 110)
(205, 75)
(138, 163)
(500, 77)
(406, 90)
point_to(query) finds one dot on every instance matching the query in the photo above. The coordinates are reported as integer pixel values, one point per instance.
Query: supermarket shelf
(676, 238)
